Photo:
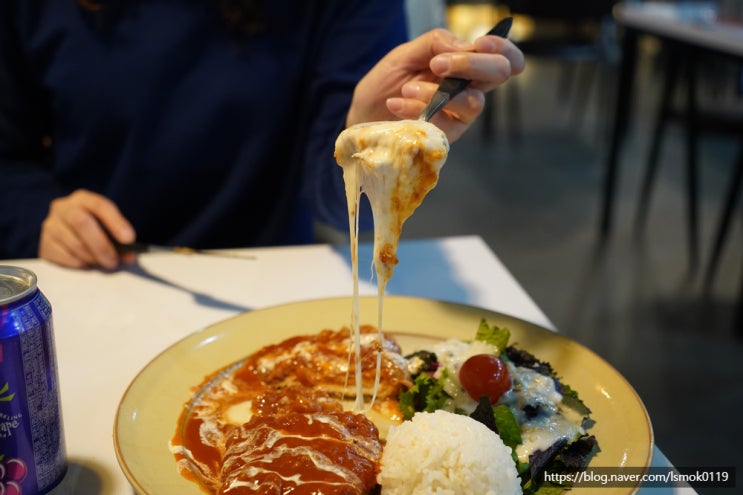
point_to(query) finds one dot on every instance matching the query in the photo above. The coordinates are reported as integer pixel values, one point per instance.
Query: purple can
(32, 449)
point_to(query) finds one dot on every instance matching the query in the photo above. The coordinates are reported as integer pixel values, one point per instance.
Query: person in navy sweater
(204, 123)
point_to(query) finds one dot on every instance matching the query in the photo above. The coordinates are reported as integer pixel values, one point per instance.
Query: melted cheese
(395, 164)
(300, 381)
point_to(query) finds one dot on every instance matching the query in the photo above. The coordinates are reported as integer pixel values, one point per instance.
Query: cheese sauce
(550, 423)
(395, 164)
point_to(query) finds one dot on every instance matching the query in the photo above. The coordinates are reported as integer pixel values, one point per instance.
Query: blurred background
(529, 179)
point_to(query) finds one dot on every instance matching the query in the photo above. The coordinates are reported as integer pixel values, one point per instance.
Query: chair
(726, 214)
(575, 33)
(682, 64)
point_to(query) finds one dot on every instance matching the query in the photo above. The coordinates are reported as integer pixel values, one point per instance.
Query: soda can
(32, 450)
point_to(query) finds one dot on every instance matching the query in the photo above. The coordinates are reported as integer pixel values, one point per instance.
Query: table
(109, 325)
(694, 26)
(692, 30)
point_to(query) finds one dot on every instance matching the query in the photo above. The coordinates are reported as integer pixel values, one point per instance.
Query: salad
(513, 393)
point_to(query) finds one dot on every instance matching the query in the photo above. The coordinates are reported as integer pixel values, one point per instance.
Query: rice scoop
(446, 454)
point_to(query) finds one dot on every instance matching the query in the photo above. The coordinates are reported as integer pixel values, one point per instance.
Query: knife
(452, 86)
(141, 247)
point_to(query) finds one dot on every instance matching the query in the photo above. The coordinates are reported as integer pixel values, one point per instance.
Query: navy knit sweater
(201, 135)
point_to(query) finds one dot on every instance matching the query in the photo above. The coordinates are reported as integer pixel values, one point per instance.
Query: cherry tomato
(485, 375)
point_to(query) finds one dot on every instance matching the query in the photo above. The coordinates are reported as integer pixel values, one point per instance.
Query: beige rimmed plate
(149, 411)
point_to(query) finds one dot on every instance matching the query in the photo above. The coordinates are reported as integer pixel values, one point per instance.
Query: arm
(394, 80)
(356, 35)
(27, 182)
(38, 216)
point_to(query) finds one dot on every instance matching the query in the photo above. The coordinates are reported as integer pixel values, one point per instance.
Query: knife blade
(137, 247)
(141, 247)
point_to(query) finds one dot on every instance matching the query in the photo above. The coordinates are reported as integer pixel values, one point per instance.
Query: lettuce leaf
(508, 428)
(525, 359)
(493, 335)
(426, 394)
(545, 489)
(570, 399)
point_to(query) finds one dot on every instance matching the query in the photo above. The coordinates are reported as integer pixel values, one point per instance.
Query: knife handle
(121, 248)
(133, 247)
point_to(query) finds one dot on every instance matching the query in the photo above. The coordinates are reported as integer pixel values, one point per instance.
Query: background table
(693, 25)
(109, 325)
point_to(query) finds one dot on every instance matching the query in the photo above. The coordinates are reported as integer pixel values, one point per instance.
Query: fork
(452, 86)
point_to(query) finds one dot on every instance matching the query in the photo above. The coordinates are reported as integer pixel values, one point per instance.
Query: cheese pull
(395, 164)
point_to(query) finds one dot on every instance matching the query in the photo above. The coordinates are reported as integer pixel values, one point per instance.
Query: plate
(148, 413)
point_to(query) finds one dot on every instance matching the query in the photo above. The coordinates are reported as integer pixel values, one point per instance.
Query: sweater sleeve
(355, 37)
(25, 175)
(348, 38)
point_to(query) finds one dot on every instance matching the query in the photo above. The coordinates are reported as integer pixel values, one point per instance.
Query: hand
(72, 234)
(400, 85)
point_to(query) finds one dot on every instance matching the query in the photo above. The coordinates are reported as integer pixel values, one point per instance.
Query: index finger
(111, 219)
(485, 71)
(502, 46)
(419, 51)
(98, 221)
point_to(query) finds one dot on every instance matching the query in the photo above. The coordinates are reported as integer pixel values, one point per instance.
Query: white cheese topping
(395, 164)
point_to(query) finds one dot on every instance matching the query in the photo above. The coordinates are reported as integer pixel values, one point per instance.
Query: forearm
(26, 180)
(356, 40)
(27, 191)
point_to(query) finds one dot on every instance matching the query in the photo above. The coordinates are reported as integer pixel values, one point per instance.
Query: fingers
(417, 53)
(112, 220)
(73, 233)
(62, 247)
(495, 61)
(402, 82)
(504, 47)
(453, 119)
(416, 94)
(486, 71)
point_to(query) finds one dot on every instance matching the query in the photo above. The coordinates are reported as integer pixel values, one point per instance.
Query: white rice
(443, 453)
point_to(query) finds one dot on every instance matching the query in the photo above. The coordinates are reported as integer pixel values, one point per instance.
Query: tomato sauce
(302, 454)
(275, 423)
